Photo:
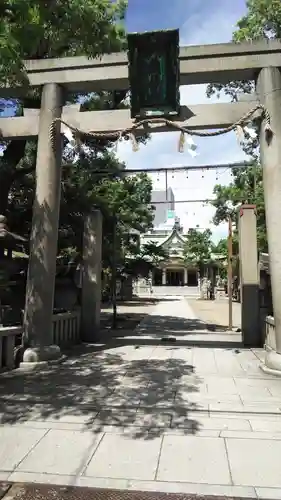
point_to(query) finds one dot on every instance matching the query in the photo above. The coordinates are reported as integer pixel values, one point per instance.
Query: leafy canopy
(262, 20)
(146, 259)
(34, 29)
(198, 245)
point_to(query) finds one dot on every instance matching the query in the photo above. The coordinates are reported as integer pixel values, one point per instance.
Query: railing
(270, 341)
(66, 331)
(8, 336)
(66, 328)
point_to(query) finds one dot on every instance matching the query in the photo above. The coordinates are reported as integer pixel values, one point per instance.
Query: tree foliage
(146, 258)
(36, 29)
(246, 187)
(221, 247)
(55, 28)
(262, 20)
(198, 247)
(92, 181)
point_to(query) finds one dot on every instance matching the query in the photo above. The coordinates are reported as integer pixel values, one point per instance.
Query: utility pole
(114, 275)
(229, 272)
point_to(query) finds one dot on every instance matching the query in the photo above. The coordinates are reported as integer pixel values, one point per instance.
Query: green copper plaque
(154, 73)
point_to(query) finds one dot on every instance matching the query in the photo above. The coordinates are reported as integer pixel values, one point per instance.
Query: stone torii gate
(219, 63)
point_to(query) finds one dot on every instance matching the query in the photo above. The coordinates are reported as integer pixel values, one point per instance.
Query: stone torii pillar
(249, 276)
(91, 277)
(37, 327)
(269, 93)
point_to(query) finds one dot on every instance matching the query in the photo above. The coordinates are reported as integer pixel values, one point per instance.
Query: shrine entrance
(157, 277)
(152, 71)
(175, 277)
(192, 278)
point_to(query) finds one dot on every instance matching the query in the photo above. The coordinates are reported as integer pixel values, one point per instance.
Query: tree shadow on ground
(142, 391)
(138, 301)
(174, 325)
(135, 330)
(148, 329)
(159, 326)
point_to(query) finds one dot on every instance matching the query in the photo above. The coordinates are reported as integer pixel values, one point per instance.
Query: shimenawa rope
(129, 132)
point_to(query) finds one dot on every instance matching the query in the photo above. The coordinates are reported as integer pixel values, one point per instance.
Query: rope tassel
(192, 147)
(134, 142)
(77, 142)
(115, 148)
(71, 135)
(268, 133)
(67, 133)
(181, 142)
(239, 133)
(267, 129)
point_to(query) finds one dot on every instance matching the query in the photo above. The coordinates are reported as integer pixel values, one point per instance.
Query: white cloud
(161, 150)
(213, 25)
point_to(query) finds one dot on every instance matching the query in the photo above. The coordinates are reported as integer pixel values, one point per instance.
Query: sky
(199, 22)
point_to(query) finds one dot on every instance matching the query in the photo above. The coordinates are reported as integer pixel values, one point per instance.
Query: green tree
(262, 20)
(92, 181)
(198, 247)
(55, 28)
(246, 187)
(220, 252)
(36, 29)
(126, 202)
(146, 258)
(220, 248)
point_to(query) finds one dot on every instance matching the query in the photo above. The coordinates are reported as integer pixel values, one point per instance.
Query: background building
(161, 209)
(175, 271)
(170, 236)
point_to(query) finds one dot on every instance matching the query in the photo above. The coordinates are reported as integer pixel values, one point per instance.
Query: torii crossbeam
(196, 117)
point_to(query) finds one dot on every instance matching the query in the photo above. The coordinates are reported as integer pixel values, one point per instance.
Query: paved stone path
(153, 417)
(177, 318)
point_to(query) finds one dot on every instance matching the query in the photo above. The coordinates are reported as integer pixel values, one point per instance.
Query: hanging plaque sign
(154, 73)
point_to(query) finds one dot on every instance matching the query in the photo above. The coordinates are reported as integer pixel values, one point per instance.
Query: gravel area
(216, 311)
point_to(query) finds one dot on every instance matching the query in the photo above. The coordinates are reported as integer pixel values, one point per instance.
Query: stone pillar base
(272, 363)
(41, 356)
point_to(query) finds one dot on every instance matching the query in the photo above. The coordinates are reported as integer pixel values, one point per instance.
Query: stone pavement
(148, 417)
(178, 291)
(178, 318)
(137, 306)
